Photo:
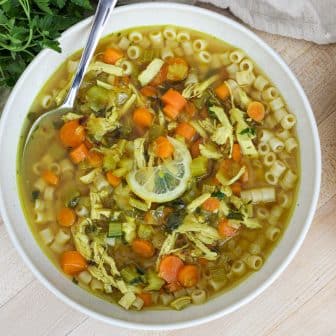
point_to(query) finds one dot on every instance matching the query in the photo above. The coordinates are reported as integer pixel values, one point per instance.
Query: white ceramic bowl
(153, 14)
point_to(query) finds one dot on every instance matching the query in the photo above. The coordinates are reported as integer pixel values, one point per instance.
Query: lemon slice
(166, 181)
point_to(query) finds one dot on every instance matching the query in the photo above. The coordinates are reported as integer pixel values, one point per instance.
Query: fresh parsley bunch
(28, 26)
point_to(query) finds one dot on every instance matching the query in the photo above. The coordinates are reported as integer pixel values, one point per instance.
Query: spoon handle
(103, 10)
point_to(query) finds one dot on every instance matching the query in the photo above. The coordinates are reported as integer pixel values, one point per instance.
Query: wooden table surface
(301, 302)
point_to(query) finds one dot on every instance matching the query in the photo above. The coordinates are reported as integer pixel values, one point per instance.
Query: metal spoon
(104, 8)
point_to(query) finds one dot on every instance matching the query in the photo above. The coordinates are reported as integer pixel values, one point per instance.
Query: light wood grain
(301, 302)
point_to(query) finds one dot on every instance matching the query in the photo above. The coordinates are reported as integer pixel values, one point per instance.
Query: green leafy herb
(219, 195)
(250, 131)
(28, 26)
(35, 195)
(75, 281)
(235, 215)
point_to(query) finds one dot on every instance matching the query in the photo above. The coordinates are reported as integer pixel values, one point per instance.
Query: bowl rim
(291, 253)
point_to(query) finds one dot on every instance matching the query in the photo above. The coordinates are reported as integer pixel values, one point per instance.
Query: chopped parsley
(219, 195)
(250, 131)
(235, 215)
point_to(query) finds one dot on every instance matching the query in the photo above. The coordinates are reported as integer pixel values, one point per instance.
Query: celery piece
(138, 204)
(154, 281)
(97, 96)
(131, 275)
(114, 230)
(199, 166)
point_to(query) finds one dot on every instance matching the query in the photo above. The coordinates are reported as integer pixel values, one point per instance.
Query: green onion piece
(199, 166)
(181, 302)
(114, 230)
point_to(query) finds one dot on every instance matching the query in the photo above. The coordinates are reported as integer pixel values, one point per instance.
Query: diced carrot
(66, 217)
(229, 168)
(161, 76)
(79, 154)
(177, 69)
(211, 204)
(194, 148)
(256, 111)
(190, 108)
(185, 130)
(214, 181)
(146, 297)
(112, 55)
(112, 179)
(149, 91)
(143, 248)
(236, 188)
(95, 159)
(72, 134)
(170, 111)
(143, 117)
(163, 148)
(173, 287)
(236, 153)
(188, 276)
(175, 99)
(222, 91)
(72, 262)
(225, 229)
(50, 177)
(169, 267)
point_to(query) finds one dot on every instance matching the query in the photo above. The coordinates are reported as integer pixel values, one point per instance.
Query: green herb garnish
(219, 195)
(28, 26)
(235, 215)
(250, 131)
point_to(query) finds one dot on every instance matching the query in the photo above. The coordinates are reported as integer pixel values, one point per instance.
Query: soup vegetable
(172, 178)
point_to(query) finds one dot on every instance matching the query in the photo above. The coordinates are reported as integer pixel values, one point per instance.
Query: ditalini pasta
(171, 179)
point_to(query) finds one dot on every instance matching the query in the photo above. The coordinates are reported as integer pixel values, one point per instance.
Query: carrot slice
(169, 267)
(149, 91)
(143, 117)
(112, 55)
(163, 148)
(72, 262)
(79, 154)
(66, 217)
(171, 112)
(143, 248)
(222, 91)
(185, 130)
(112, 179)
(72, 134)
(236, 188)
(50, 177)
(146, 298)
(175, 99)
(211, 204)
(225, 229)
(236, 153)
(188, 276)
(256, 111)
(95, 159)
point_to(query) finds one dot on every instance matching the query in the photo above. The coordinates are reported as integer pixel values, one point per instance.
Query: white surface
(214, 24)
(312, 20)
